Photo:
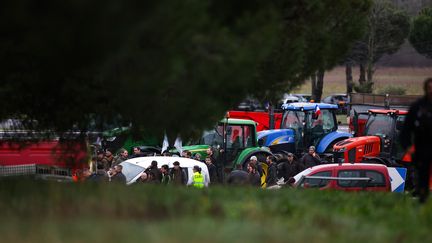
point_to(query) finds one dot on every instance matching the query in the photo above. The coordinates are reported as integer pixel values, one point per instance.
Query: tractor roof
(233, 121)
(396, 112)
(308, 106)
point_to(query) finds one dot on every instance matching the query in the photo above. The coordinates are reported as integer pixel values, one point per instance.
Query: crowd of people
(107, 167)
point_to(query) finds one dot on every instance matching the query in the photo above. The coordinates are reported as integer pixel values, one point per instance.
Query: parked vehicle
(26, 152)
(341, 100)
(357, 108)
(303, 125)
(235, 141)
(380, 143)
(262, 119)
(351, 177)
(132, 168)
(304, 97)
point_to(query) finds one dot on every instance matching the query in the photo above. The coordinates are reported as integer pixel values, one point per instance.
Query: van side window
(317, 182)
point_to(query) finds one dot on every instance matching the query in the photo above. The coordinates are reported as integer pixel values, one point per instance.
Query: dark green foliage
(55, 212)
(159, 65)
(387, 29)
(421, 33)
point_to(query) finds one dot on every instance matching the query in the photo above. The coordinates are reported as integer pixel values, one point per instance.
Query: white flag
(178, 145)
(165, 144)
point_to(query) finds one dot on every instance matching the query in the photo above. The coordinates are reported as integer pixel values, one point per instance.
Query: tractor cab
(303, 125)
(233, 140)
(310, 122)
(380, 142)
(387, 125)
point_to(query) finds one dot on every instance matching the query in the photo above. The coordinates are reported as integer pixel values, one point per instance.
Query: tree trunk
(370, 72)
(362, 78)
(319, 86)
(349, 78)
(313, 86)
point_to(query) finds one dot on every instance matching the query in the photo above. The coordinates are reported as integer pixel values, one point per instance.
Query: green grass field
(57, 212)
(409, 78)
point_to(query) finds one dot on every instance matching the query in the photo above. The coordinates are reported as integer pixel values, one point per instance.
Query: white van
(132, 168)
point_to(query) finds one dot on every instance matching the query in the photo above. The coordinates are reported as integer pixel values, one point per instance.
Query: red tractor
(380, 143)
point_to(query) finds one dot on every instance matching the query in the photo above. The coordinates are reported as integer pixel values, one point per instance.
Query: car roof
(308, 106)
(145, 162)
(348, 166)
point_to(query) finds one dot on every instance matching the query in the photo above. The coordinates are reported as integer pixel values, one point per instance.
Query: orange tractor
(380, 143)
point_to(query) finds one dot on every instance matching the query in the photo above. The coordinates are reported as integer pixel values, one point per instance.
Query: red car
(345, 177)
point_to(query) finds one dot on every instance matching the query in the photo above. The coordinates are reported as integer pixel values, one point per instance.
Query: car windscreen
(131, 170)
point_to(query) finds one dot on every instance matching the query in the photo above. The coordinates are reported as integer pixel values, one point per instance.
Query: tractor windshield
(379, 125)
(239, 136)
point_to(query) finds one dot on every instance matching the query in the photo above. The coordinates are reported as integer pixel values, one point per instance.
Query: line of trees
(173, 66)
(387, 29)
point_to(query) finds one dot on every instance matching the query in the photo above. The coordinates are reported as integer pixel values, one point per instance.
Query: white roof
(145, 162)
(165, 160)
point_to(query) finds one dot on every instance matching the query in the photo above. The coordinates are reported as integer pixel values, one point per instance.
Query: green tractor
(234, 141)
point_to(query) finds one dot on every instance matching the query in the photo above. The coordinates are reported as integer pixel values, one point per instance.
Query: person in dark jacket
(258, 166)
(272, 171)
(118, 175)
(254, 177)
(311, 158)
(122, 156)
(156, 172)
(166, 178)
(238, 177)
(290, 167)
(177, 174)
(212, 170)
(418, 128)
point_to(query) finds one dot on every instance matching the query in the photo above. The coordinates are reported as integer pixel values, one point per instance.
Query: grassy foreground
(56, 212)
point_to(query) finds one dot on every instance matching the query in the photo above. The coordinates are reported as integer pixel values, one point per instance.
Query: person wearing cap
(99, 160)
(290, 167)
(311, 158)
(177, 174)
(108, 159)
(197, 177)
(258, 166)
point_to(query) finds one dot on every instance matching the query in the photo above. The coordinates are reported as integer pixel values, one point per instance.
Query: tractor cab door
(397, 151)
(237, 138)
(319, 125)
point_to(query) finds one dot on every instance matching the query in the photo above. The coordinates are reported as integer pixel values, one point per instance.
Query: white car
(132, 168)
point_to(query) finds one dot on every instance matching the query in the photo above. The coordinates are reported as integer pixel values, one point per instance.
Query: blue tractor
(303, 125)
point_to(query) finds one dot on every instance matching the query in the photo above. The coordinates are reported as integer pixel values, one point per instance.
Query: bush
(363, 88)
(392, 89)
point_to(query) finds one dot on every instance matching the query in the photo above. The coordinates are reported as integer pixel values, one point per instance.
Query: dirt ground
(411, 78)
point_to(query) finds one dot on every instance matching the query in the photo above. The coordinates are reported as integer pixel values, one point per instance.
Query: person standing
(197, 177)
(212, 170)
(166, 178)
(311, 158)
(289, 168)
(177, 174)
(254, 177)
(418, 129)
(258, 166)
(118, 175)
(136, 153)
(156, 172)
(122, 156)
(272, 171)
(108, 158)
